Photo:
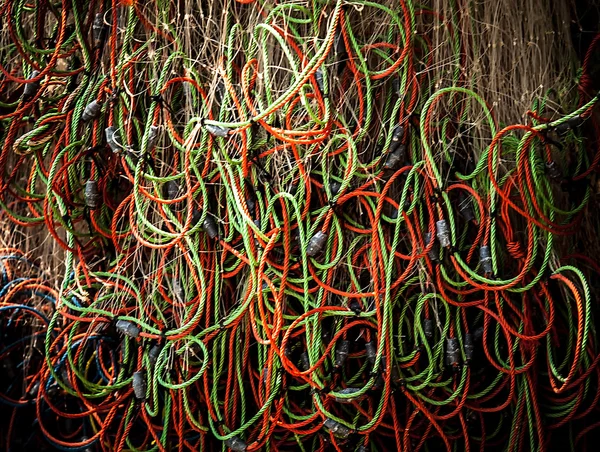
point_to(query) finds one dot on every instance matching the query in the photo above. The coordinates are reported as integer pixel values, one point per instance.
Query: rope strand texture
(278, 233)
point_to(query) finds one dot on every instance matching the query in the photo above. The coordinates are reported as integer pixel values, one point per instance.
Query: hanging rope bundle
(280, 232)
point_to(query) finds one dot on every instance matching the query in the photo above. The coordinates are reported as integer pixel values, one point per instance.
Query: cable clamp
(376, 373)
(114, 95)
(356, 311)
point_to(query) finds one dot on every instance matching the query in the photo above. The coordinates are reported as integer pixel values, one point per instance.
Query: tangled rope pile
(302, 244)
